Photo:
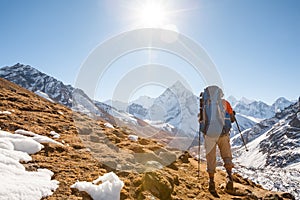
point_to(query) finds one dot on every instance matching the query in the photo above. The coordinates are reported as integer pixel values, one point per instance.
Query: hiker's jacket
(228, 109)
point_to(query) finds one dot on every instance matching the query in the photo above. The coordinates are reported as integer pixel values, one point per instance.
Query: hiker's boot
(229, 183)
(211, 185)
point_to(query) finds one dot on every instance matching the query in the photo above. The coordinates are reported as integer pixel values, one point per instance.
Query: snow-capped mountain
(179, 107)
(273, 147)
(144, 101)
(119, 105)
(258, 109)
(276, 139)
(176, 106)
(280, 104)
(34, 80)
(262, 127)
(137, 110)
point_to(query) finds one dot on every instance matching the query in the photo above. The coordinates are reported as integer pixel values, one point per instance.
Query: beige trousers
(223, 143)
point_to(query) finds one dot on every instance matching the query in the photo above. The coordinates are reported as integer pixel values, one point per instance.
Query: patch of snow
(17, 183)
(36, 137)
(54, 134)
(160, 125)
(20, 143)
(253, 157)
(110, 187)
(44, 95)
(254, 119)
(5, 112)
(108, 125)
(133, 137)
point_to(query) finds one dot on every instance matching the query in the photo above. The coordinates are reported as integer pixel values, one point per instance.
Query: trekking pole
(199, 139)
(199, 142)
(237, 124)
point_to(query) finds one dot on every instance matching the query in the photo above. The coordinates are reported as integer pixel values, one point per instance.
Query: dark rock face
(34, 80)
(137, 110)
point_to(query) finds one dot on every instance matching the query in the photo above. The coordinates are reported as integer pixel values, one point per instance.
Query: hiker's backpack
(214, 119)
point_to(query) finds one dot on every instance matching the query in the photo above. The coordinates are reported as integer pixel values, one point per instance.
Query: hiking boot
(211, 186)
(229, 185)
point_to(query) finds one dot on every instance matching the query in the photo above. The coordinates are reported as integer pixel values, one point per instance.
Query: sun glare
(152, 14)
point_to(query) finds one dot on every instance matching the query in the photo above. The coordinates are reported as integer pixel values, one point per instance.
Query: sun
(152, 14)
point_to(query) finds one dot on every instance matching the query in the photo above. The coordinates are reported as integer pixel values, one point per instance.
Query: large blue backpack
(214, 119)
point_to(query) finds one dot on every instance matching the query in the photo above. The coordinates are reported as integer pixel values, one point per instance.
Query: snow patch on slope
(17, 183)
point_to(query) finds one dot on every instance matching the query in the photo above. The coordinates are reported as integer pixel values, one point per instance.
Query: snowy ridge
(178, 107)
(274, 151)
(144, 101)
(244, 122)
(44, 95)
(258, 109)
(34, 80)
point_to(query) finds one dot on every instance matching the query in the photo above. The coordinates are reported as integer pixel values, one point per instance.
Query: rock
(272, 197)
(288, 196)
(153, 165)
(84, 130)
(185, 157)
(143, 158)
(159, 184)
(167, 157)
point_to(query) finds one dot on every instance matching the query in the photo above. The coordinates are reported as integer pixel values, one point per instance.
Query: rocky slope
(274, 151)
(92, 148)
(54, 90)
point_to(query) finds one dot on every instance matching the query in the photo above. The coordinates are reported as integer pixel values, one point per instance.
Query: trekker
(216, 116)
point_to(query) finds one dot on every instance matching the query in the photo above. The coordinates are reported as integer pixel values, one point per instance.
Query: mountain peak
(280, 104)
(19, 66)
(246, 100)
(179, 88)
(232, 100)
(178, 85)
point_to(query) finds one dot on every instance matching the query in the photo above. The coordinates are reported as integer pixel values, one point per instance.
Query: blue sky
(255, 44)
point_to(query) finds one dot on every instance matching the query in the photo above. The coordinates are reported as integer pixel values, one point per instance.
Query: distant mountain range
(178, 107)
(258, 109)
(175, 110)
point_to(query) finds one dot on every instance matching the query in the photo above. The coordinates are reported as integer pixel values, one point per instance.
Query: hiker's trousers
(223, 143)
